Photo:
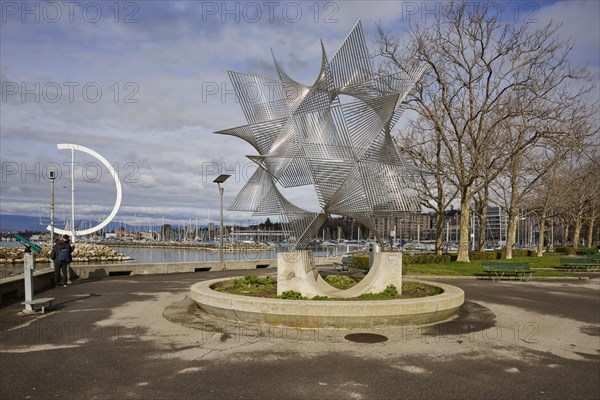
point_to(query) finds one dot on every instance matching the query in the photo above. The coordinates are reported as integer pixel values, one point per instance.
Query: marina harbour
(175, 254)
(143, 255)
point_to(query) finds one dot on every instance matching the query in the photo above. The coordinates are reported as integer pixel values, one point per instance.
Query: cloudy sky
(144, 83)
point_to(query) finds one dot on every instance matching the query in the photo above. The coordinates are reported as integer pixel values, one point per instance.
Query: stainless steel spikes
(304, 135)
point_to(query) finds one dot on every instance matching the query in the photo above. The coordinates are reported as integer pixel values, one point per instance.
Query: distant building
(39, 238)
(495, 232)
(415, 226)
(497, 224)
(148, 235)
(409, 226)
(125, 235)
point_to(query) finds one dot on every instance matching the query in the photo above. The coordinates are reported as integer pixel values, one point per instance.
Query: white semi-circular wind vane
(113, 173)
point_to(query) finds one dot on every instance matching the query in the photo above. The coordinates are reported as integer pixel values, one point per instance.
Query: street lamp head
(221, 178)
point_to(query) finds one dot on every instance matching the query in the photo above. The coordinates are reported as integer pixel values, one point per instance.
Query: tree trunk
(439, 228)
(590, 235)
(540, 244)
(482, 227)
(543, 218)
(530, 233)
(511, 231)
(565, 238)
(465, 208)
(481, 204)
(577, 231)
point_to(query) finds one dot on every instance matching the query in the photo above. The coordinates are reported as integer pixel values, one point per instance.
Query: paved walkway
(140, 337)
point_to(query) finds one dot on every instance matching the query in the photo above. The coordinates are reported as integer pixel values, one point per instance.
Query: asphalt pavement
(141, 337)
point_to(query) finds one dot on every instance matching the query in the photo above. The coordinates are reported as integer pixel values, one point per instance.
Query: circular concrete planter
(338, 314)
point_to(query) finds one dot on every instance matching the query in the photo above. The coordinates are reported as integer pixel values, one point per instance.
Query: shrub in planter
(566, 250)
(340, 281)
(485, 255)
(292, 295)
(520, 253)
(360, 262)
(428, 258)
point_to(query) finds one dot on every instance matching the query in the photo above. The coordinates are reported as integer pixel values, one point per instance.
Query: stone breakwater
(84, 252)
(229, 247)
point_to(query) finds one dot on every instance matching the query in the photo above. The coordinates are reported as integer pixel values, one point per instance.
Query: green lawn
(456, 268)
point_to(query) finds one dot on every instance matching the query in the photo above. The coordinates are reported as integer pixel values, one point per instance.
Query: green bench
(344, 265)
(588, 252)
(497, 270)
(573, 264)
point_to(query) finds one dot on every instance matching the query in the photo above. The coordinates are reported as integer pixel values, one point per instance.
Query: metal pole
(72, 195)
(221, 230)
(52, 177)
(72, 209)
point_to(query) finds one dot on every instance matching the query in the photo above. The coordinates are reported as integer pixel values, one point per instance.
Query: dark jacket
(62, 246)
(54, 251)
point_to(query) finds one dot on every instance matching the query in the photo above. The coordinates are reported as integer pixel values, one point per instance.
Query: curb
(468, 277)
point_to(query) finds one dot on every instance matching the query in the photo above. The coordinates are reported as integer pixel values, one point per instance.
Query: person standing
(61, 256)
(55, 262)
(70, 249)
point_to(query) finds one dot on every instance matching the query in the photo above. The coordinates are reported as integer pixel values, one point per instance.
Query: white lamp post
(52, 177)
(220, 179)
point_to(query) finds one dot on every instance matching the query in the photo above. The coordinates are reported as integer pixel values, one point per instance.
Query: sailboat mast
(73, 193)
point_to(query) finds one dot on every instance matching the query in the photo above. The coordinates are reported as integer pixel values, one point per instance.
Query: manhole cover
(366, 338)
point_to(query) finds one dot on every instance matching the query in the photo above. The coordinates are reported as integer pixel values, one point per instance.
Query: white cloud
(580, 23)
(168, 61)
(15, 190)
(146, 181)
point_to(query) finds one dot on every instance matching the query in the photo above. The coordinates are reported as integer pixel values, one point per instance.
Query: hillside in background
(22, 223)
(19, 223)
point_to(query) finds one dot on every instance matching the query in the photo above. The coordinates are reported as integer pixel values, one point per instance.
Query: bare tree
(477, 65)
(433, 189)
(594, 180)
(545, 195)
(482, 201)
(578, 187)
(546, 125)
(585, 190)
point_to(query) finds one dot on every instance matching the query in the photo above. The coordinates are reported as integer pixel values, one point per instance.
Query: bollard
(29, 266)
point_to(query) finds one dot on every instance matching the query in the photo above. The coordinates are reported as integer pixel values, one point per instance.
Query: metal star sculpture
(304, 135)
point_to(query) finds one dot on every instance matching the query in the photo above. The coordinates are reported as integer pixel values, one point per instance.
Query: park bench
(573, 264)
(588, 252)
(344, 265)
(496, 270)
(40, 304)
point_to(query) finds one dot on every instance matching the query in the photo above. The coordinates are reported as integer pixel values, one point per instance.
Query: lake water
(145, 255)
(142, 255)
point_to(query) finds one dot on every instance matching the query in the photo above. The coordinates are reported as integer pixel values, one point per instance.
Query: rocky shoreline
(229, 247)
(84, 252)
(12, 257)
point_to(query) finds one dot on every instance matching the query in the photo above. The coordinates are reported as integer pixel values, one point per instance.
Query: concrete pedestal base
(345, 314)
(296, 271)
